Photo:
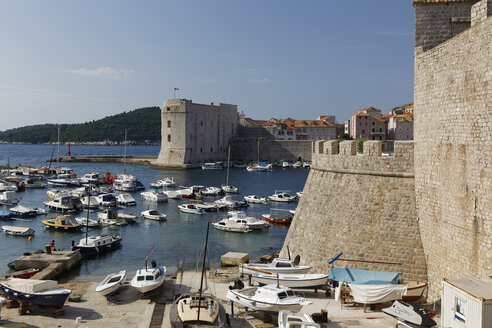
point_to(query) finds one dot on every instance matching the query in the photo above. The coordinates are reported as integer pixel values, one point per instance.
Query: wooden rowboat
(23, 274)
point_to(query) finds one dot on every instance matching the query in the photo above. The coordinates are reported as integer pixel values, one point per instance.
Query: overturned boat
(410, 312)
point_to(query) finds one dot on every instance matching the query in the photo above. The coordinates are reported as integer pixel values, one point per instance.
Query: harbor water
(178, 241)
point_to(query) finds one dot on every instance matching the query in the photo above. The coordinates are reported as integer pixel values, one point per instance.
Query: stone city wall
(246, 150)
(453, 152)
(362, 205)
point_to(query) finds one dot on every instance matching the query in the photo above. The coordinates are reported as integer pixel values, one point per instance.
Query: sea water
(178, 241)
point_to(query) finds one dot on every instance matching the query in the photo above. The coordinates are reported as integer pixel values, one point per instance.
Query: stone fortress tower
(429, 205)
(195, 133)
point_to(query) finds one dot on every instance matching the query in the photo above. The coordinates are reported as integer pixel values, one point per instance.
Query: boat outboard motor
(154, 264)
(238, 284)
(297, 259)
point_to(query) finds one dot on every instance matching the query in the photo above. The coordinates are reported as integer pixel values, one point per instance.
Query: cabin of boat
(64, 204)
(148, 279)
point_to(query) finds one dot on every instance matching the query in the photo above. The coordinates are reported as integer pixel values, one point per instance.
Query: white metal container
(467, 303)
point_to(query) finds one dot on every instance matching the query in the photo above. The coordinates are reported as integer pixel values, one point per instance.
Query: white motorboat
(23, 211)
(164, 183)
(251, 222)
(285, 165)
(106, 200)
(18, 231)
(149, 278)
(259, 167)
(88, 222)
(53, 193)
(125, 199)
(212, 166)
(111, 218)
(8, 198)
(207, 206)
(231, 226)
(410, 312)
(154, 196)
(91, 178)
(90, 202)
(211, 191)
(228, 189)
(111, 283)
(97, 244)
(278, 265)
(228, 202)
(125, 182)
(64, 204)
(190, 208)
(172, 194)
(293, 280)
(297, 165)
(154, 215)
(267, 298)
(292, 319)
(185, 193)
(299, 194)
(7, 186)
(282, 196)
(254, 199)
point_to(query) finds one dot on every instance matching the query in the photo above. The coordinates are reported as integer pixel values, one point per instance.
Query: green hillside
(143, 125)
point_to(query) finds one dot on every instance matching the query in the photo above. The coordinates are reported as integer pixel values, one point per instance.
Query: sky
(78, 61)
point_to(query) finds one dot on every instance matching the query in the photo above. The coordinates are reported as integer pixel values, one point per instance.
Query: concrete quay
(105, 159)
(50, 265)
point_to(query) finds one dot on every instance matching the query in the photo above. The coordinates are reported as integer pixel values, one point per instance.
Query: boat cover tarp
(31, 286)
(363, 277)
(372, 294)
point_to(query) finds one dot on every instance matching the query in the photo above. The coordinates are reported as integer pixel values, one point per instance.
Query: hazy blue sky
(76, 61)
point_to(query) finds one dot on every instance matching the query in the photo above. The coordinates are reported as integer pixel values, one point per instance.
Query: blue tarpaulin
(363, 277)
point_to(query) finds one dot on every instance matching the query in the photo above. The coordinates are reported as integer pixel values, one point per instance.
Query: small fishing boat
(61, 223)
(207, 206)
(64, 204)
(410, 312)
(154, 196)
(278, 265)
(254, 199)
(125, 199)
(97, 244)
(32, 291)
(251, 222)
(18, 231)
(23, 211)
(212, 166)
(23, 274)
(164, 183)
(88, 222)
(228, 202)
(31, 184)
(259, 167)
(211, 191)
(111, 283)
(91, 178)
(154, 215)
(231, 226)
(111, 217)
(292, 319)
(278, 218)
(293, 280)
(272, 298)
(106, 200)
(172, 194)
(53, 193)
(8, 198)
(229, 189)
(62, 182)
(282, 196)
(148, 279)
(190, 208)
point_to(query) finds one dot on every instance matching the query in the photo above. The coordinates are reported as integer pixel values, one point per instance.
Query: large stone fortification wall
(195, 133)
(453, 152)
(266, 149)
(361, 205)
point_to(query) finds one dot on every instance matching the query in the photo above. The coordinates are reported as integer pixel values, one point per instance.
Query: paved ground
(127, 309)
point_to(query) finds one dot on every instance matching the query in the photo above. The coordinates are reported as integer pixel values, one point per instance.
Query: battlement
(342, 157)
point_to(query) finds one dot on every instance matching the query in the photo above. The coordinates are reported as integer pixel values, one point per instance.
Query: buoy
(30, 238)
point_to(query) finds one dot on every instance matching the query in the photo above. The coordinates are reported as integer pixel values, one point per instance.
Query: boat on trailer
(32, 291)
(293, 280)
(111, 283)
(292, 319)
(278, 265)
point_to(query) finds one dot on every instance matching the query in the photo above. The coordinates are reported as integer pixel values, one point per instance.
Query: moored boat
(23, 211)
(190, 208)
(125, 199)
(61, 223)
(111, 283)
(278, 218)
(254, 199)
(251, 222)
(64, 204)
(231, 226)
(154, 215)
(88, 222)
(23, 274)
(212, 166)
(97, 244)
(18, 231)
(282, 196)
(154, 196)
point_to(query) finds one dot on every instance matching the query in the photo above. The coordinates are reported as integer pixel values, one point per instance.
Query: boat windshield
(149, 277)
(282, 295)
(290, 293)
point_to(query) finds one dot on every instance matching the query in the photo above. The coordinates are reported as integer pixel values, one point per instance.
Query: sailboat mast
(58, 146)
(203, 273)
(88, 210)
(228, 158)
(258, 150)
(124, 158)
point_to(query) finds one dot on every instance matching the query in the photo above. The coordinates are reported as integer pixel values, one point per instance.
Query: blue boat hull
(52, 300)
